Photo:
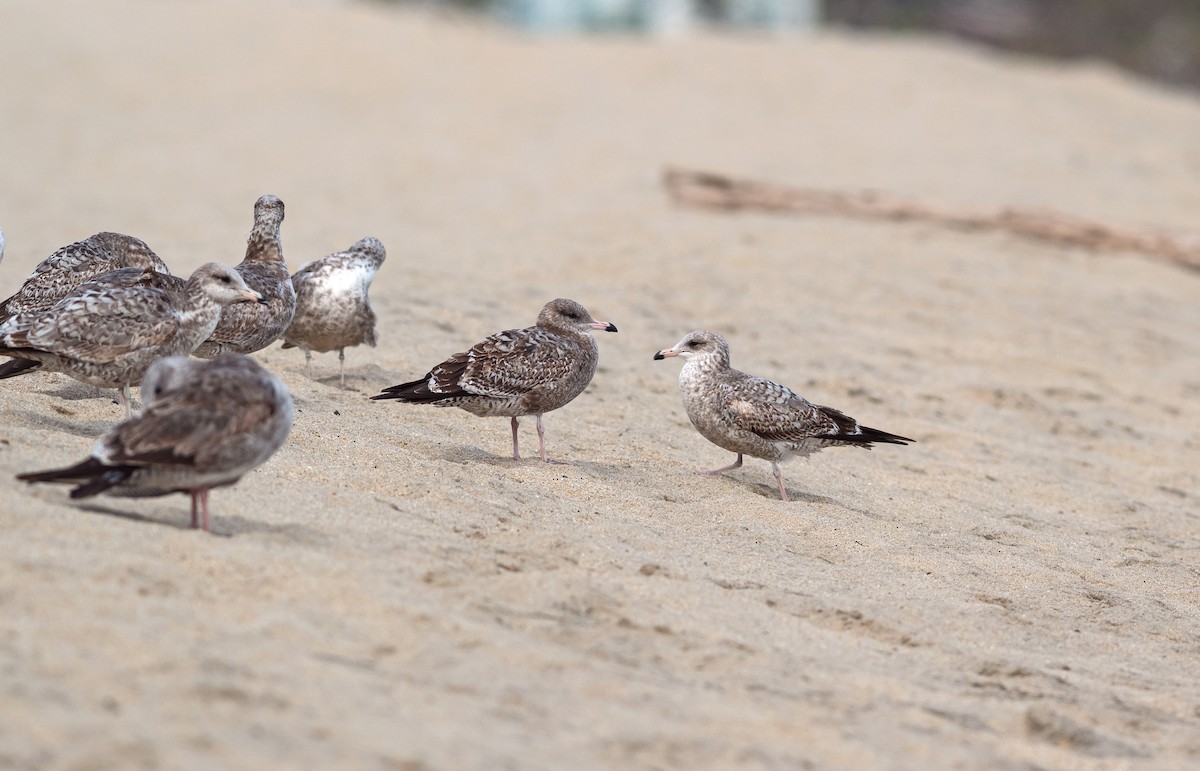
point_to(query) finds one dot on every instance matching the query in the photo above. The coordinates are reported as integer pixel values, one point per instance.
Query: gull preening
(112, 328)
(250, 328)
(204, 425)
(750, 415)
(333, 310)
(63, 272)
(517, 372)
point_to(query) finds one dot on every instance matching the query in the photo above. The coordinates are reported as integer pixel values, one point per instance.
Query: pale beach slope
(1017, 589)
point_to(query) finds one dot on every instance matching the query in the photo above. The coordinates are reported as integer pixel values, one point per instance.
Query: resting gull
(204, 425)
(750, 415)
(112, 328)
(249, 328)
(332, 306)
(517, 372)
(62, 272)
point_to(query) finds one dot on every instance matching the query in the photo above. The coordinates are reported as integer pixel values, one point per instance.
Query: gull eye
(224, 279)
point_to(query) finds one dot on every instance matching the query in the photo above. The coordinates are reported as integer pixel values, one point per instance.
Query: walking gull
(517, 372)
(204, 425)
(750, 415)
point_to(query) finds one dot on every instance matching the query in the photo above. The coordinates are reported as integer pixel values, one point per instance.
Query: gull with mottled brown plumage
(69, 267)
(204, 425)
(333, 310)
(517, 372)
(750, 415)
(249, 328)
(111, 329)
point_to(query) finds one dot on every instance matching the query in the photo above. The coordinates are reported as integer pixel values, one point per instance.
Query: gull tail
(95, 475)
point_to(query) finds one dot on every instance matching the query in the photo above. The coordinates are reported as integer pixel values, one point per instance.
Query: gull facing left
(750, 415)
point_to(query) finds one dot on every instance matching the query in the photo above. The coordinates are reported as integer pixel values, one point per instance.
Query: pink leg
(542, 438)
(516, 448)
(195, 510)
(204, 509)
(125, 396)
(736, 464)
(779, 479)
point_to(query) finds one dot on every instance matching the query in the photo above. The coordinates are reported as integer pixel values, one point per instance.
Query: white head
(700, 343)
(223, 284)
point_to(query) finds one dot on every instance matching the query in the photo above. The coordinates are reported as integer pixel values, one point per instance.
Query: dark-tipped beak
(263, 301)
(603, 326)
(659, 355)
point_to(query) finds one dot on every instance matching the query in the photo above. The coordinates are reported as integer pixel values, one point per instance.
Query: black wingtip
(95, 476)
(875, 435)
(14, 367)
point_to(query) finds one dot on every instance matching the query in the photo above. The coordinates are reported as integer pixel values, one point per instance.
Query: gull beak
(251, 296)
(665, 353)
(603, 326)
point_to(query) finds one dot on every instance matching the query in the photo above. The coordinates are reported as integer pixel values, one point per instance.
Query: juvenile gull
(750, 415)
(249, 328)
(204, 425)
(112, 328)
(517, 372)
(64, 271)
(332, 306)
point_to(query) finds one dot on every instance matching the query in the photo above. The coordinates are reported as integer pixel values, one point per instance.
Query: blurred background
(1159, 39)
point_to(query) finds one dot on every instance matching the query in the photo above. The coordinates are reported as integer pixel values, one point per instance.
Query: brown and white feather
(249, 328)
(71, 266)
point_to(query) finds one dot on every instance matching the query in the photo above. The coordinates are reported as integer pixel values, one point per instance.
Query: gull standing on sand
(517, 372)
(750, 415)
(204, 425)
(69, 267)
(332, 306)
(112, 328)
(250, 328)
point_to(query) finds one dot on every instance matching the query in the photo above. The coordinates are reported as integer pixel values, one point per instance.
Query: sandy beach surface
(1018, 589)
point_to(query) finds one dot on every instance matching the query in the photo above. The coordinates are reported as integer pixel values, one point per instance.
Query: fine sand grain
(1018, 589)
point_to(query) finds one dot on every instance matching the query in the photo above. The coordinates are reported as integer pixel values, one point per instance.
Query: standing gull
(249, 328)
(204, 425)
(517, 372)
(750, 415)
(110, 330)
(332, 306)
(69, 267)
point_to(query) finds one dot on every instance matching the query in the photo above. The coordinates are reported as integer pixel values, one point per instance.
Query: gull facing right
(750, 415)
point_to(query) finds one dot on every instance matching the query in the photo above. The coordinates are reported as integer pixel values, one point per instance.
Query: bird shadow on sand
(223, 526)
(467, 454)
(770, 492)
(89, 429)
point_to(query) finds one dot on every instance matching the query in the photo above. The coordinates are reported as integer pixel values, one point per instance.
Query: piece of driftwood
(717, 191)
